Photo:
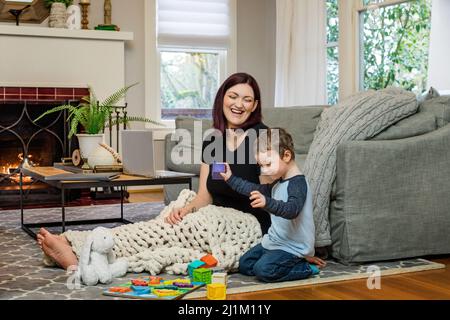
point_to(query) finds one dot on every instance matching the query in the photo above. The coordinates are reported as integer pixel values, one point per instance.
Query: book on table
(101, 176)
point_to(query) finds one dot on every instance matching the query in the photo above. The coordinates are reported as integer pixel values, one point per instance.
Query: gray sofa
(391, 196)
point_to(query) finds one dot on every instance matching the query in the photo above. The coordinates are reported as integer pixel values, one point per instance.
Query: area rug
(23, 276)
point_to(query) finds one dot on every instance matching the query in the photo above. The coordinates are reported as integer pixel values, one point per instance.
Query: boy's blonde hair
(277, 139)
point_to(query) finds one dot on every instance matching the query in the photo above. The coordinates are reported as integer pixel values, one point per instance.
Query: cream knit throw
(155, 246)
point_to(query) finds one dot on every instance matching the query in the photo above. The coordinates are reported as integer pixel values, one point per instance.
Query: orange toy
(120, 289)
(155, 280)
(209, 261)
(139, 282)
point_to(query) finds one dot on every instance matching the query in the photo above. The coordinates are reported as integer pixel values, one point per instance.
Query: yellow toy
(165, 292)
(216, 291)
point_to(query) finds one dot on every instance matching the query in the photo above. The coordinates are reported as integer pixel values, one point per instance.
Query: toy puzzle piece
(209, 261)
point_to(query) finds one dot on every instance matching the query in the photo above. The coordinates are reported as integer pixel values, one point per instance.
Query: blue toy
(194, 265)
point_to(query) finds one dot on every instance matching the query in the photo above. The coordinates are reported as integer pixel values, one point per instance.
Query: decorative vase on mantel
(58, 15)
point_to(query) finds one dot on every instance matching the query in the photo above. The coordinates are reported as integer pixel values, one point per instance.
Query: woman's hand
(258, 200)
(227, 174)
(176, 215)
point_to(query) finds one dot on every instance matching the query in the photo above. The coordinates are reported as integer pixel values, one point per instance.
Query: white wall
(256, 23)
(256, 43)
(439, 68)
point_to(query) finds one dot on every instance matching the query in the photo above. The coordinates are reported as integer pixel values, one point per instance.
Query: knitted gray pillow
(358, 117)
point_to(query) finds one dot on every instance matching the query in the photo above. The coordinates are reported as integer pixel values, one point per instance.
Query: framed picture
(35, 13)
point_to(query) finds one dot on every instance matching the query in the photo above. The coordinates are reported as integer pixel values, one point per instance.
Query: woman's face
(238, 104)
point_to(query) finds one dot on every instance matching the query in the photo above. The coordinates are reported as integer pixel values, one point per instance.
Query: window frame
(152, 63)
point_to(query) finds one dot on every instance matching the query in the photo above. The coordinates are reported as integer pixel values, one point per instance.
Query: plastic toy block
(217, 168)
(216, 291)
(209, 261)
(194, 265)
(219, 277)
(139, 282)
(202, 275)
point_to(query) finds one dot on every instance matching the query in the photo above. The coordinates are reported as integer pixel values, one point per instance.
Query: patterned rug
(23, 276)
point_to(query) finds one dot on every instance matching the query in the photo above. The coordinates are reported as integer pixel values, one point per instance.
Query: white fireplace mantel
(50, 57)
(64, 33)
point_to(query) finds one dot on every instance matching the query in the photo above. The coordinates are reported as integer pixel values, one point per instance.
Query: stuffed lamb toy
(97, 261)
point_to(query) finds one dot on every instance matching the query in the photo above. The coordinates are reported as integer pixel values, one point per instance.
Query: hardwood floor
(433, 284)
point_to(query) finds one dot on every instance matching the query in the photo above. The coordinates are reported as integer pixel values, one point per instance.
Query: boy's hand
(317, 261)
(258, 200)
(228, 173)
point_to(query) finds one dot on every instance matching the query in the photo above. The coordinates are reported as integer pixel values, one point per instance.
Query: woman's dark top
(249, 170)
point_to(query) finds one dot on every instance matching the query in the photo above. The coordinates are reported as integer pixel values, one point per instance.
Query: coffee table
(40, 173)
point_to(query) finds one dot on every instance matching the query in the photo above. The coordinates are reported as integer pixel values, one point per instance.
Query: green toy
(202, 275)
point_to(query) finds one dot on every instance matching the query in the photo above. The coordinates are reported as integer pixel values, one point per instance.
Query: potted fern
(93, 116)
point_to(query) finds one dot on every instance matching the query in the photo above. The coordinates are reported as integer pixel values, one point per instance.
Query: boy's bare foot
(57, 248)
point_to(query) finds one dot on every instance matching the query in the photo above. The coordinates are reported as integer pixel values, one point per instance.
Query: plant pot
(88, 144)
(58, 15)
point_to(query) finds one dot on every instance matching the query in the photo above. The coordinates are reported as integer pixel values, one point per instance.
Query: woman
(237, 106)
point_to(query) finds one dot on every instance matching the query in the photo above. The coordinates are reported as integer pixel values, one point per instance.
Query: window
(193, 43)
(332, 51)
(189, 82)
(395, 38)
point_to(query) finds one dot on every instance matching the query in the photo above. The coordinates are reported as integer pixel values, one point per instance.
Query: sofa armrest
(392, 198)
(168, 146)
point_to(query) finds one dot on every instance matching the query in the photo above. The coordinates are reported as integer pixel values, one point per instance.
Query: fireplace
(36, 144)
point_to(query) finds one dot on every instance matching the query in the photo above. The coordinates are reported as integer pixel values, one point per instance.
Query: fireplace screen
(23, 141)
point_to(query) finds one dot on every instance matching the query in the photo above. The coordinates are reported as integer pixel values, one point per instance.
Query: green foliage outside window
(395, 45)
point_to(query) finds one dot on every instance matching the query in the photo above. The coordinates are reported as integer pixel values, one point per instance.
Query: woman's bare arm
(202, 199)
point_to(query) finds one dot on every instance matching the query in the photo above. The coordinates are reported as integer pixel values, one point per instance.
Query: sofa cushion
(192, 146)
(417, 124)
(301, 123)
(358, 117)
(440, 107)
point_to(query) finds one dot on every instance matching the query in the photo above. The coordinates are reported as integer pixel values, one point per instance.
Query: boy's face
(270, 163)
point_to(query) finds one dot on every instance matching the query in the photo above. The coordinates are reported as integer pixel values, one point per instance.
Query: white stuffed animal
(97, 261)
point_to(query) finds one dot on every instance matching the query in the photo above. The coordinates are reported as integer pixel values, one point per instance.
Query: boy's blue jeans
(273, 265)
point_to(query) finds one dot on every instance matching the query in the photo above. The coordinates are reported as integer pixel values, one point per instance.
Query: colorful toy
(194, 265)
(139, 282)
(183, 285)
(154, 292)
(219, 277)
(209, 261)
(141, 289)
(216, 291)
(120, 289)
(217, 168)
(202, 275)
(155, 280)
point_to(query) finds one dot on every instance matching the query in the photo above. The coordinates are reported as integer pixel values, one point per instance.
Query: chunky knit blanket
(155, 246)
(360, 117)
